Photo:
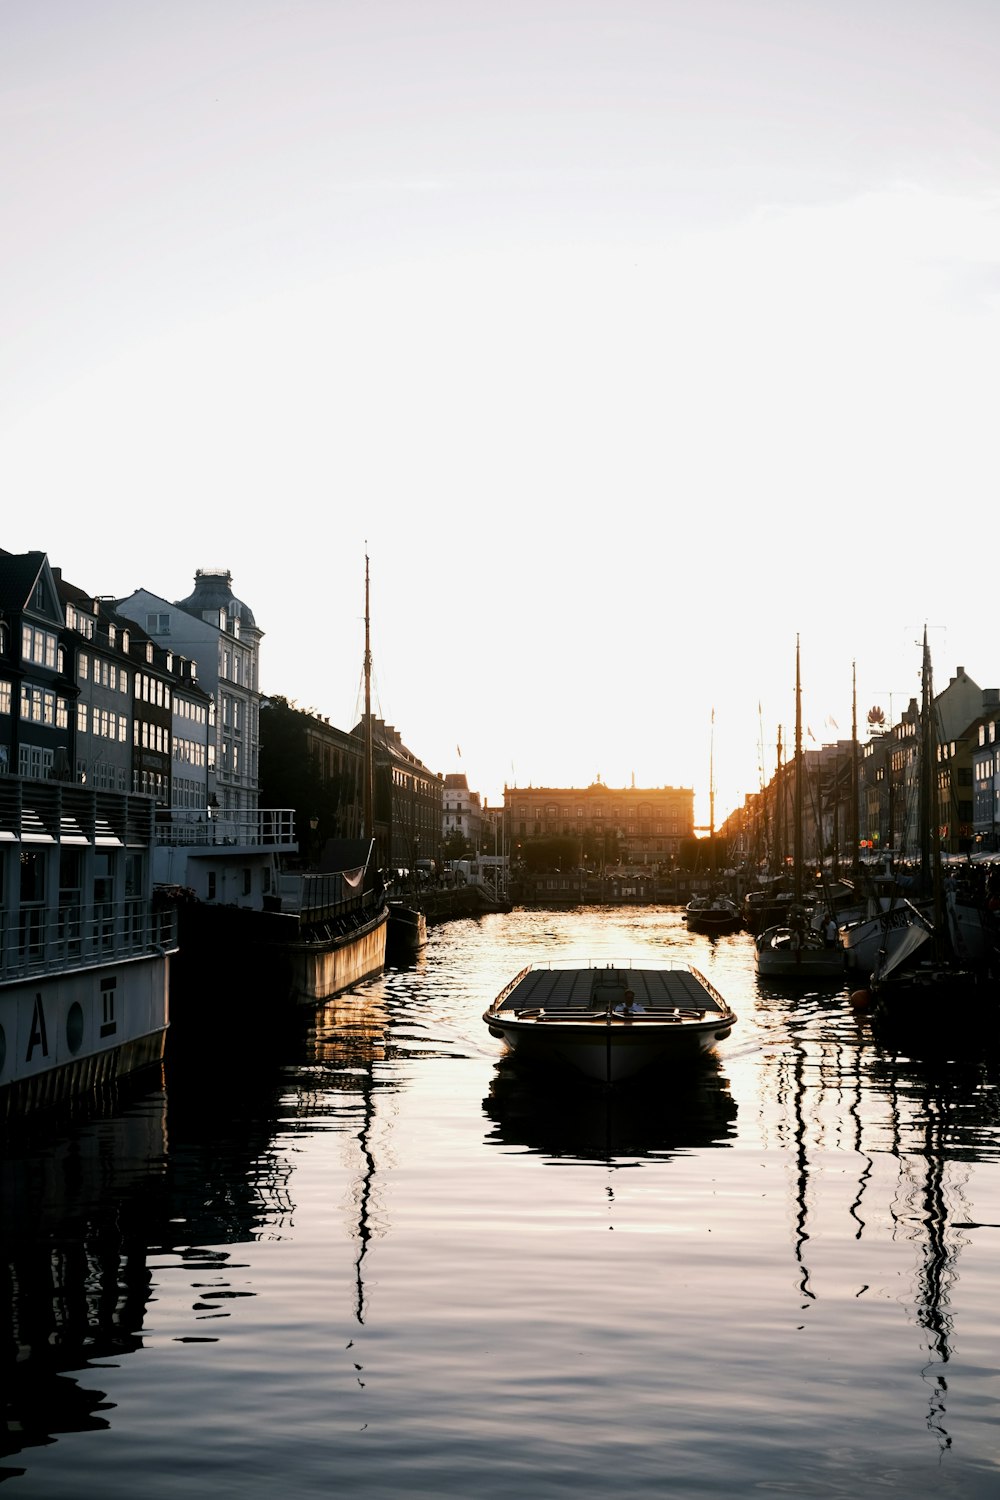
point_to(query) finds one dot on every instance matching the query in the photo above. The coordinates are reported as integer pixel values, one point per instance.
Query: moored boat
(715, 913)
(406, 933)
(930, 973)
(609, 1021)
(84, 943)
(797, 951)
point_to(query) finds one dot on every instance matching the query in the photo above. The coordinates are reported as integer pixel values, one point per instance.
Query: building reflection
(74, 1239)
(178, 1164)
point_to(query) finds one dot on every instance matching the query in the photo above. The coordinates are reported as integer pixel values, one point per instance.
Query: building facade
(640, 827)
(461, 813)
(218, 633)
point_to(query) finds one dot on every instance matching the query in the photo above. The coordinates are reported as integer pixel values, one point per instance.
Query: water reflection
(73, 1252)
(654, 1118)
(820, 1181)
(346, 1041)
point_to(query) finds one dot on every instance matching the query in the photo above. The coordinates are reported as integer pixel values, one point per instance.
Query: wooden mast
(855, 809)
(798, 777)
(711, 796)
(368, 801)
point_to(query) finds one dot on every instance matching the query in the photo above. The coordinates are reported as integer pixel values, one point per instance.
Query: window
(5, 697)
(109, 1024)
(38, 705)
(38, 646)
(33, 762)
(158, 624)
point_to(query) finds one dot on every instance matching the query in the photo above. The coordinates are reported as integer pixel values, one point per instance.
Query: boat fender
(861, 999)
(495, 1031)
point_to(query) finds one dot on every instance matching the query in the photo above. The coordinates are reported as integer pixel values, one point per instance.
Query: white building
(216, 631)
(462, 811)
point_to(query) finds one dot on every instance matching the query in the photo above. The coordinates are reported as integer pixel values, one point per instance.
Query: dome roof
(213, 591)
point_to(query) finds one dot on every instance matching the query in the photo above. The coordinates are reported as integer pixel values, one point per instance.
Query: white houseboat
(84, 945)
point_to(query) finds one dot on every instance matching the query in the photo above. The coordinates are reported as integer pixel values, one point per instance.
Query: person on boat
(628, 1005)
(830, 931)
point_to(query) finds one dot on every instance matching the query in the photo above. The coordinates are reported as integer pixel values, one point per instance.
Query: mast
(711, 795)
(780, 829)
(368, 802)
(798, 777)
(930, 831)
(855, 808)
(926, 770)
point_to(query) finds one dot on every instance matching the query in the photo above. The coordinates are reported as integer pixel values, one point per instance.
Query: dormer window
(149, 653)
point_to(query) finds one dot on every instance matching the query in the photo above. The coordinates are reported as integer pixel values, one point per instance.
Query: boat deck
(595, 989)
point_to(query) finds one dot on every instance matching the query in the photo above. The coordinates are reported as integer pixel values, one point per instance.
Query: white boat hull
(609, 1022)
(783, 953)
(610, 1051)
(63, 1035)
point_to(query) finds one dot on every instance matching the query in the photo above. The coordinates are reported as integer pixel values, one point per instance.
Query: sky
(630, 340)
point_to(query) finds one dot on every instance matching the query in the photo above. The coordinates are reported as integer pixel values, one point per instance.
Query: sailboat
(343, 910)
(930, 963)
(795, 950)
(714, 912)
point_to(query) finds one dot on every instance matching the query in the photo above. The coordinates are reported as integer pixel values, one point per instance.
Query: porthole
(74, 1027)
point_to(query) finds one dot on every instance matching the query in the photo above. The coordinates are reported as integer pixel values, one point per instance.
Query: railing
(36, 941)
(322, 898)
(270, 827)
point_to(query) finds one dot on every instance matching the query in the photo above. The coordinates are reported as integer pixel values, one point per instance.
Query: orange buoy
(860, 999)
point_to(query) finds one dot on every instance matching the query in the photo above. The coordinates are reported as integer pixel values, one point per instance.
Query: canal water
(365, 1257)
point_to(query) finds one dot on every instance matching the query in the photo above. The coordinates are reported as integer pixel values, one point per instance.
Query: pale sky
(629, 337)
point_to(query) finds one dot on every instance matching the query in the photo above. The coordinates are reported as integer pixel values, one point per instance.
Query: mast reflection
(347, 1043)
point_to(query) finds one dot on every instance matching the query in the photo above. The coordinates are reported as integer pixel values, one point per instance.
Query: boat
(342, 910)
(929, 976)
(317, 932)
(609, 1021)
(713, 913)
(796, 949)
(406, 933)
(85, 942)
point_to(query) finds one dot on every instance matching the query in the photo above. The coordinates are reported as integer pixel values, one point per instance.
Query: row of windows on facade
(552, 825)
(237, 666)
(43, 706)
(36, 763)
(596, 814)
(41, 647)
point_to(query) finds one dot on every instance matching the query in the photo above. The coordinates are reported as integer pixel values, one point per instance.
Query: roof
(213, 590)
(18, 575)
